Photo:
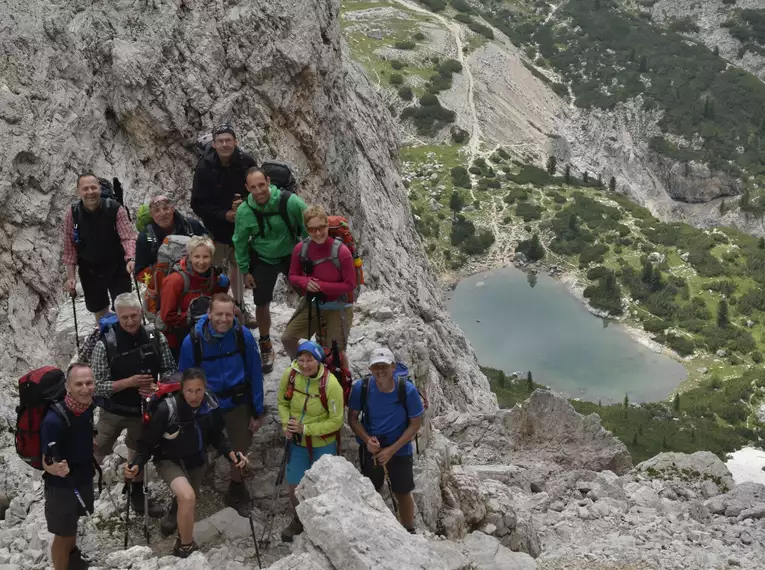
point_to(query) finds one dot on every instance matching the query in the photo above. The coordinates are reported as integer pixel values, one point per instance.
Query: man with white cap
(385, 413)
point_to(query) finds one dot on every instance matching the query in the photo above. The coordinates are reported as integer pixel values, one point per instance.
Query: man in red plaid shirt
(99, 241)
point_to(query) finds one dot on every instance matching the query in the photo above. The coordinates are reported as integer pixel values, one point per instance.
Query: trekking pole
(138, 292)
(277, 487)
(53, 456)
(390, 491)
(252, 525)
(76, 327)
(126, 490)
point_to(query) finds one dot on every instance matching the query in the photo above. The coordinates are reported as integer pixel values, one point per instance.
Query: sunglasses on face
(159, 205)
(316, 229)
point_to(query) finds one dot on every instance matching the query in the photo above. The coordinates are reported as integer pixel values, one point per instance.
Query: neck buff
(74, 406)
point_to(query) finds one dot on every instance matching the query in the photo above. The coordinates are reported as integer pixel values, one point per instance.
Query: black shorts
(98, 283)
(400, 471)
(265, 275)
(62, 509)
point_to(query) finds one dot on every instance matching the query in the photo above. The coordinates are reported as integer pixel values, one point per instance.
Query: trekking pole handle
(52, 456)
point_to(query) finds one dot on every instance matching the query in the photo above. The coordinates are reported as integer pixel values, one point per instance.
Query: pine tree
(626, 401)
(573, 223)
(585, 177)
(612, 184)
(567, 174)
(501, 379)
(743, 202)
(761, 243)
(709, 108)
(552, 165)
(600, 404)
(529, 383)
(634, 440)
(456, 203)
(600, 181)
(676, 403)
(722, 314)
(647, 276)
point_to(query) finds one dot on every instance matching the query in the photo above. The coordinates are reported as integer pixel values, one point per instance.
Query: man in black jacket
(219, 188)
(165, 221)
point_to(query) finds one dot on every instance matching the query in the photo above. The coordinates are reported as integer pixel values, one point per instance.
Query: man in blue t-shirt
(386, 429)
(66, 437)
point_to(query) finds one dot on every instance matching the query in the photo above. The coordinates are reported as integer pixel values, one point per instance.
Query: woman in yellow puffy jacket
(311, 411)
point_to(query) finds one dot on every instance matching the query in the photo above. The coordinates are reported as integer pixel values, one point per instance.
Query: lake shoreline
(572, 282)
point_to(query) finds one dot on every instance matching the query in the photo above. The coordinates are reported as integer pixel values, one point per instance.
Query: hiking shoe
(249, 320)
(411, 530)
(169, 522)
(267, 355)
(238, 498)
(77, 561)
(136, 499)
(184, 550)
(294, 529)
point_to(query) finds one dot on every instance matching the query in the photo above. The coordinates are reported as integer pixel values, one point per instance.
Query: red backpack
(340, 232)
(39, 391)
(163, 389)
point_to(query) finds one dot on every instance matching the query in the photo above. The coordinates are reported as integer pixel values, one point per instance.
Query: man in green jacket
(267, 226)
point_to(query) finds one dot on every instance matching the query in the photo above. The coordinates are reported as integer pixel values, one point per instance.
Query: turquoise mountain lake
(515, 327)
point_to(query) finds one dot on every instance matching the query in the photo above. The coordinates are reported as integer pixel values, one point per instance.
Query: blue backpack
(402, 376)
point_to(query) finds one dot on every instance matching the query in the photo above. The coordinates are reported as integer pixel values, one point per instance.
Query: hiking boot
(248, 319)
(77, 561)
(267, 355)
(169, 522)
(238, 498)
(136, 499)
(294, 529)
(184, 550)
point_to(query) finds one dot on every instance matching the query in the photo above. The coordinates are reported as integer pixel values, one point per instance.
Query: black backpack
(281, 175)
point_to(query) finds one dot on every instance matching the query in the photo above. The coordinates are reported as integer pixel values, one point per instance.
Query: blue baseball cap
(314, 349)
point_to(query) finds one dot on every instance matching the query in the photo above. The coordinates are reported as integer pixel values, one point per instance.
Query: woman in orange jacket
(187, 290)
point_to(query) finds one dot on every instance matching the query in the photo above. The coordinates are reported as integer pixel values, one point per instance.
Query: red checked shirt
(125, 229)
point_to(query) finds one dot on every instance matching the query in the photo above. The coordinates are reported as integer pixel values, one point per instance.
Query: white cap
(381, 355)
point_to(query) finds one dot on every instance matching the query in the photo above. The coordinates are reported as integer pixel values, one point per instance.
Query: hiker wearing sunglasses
(72, 439)
(326, 283)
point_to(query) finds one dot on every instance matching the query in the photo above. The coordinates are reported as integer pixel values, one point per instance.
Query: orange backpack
(169, 255)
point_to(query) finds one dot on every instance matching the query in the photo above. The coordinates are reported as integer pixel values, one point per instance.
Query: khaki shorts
(225, 259)
(237, 422)
(109, 428)
(169, 471)
(336, 326)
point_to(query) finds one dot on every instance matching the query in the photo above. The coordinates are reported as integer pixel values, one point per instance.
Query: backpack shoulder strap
(364, 398)
(187, 228)
(336, 245)
(110, 342)
(304, 249)
(259, 218)
(284, 198)
(186, 278)
(289, 392)
(154, 339)
(323, 389)
(196, 345)
(76, 213)
(241, 346)
(402, 394)
(60, 409)
(172, 408)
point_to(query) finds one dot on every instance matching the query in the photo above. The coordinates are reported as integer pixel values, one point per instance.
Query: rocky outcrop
(545, 434)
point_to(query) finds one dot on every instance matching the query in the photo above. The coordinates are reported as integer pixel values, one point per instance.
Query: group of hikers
(192, 377)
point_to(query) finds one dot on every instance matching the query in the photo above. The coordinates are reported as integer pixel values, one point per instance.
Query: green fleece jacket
(277, 241)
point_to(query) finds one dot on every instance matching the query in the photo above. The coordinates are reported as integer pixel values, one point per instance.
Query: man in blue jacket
(228, 354)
